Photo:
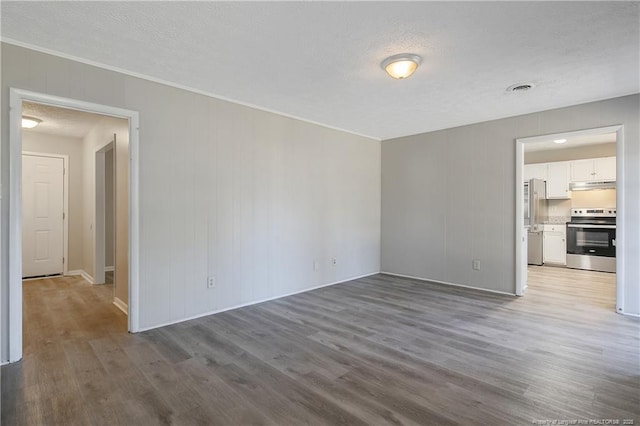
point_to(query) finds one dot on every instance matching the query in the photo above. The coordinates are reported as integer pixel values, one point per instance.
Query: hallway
(61, 314)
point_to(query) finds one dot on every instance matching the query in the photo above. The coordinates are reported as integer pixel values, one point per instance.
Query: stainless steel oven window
(591, 238)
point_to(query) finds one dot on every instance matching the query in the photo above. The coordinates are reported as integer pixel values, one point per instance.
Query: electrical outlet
(316, 266)
(475, 264)
(334, 261)
(211, 282)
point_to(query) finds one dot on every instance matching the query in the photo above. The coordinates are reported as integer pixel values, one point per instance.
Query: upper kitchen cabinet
(606, 168)
(594, 169)
(535, 171)
(582, 170)
(558, 180)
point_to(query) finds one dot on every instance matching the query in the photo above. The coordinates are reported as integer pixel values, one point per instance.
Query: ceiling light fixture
(559, 140)
(402, 65)
(30, 122)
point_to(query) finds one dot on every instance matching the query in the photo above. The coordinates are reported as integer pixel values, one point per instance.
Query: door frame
(65, 204)
(16, 97)
(99, 214)
(621, 243)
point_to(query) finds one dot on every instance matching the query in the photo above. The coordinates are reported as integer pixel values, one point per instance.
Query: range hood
(587, 186)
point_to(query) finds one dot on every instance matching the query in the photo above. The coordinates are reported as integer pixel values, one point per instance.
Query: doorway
(558, 203)
(104, 211)
(17, 97)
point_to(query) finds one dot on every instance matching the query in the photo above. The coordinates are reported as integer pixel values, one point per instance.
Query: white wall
(248, 196)
(449, 196)
(100, 135)
(596, 198)
(567, 154)
(54, 144)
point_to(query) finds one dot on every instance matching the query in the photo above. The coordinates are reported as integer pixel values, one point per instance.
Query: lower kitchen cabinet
(554, 246)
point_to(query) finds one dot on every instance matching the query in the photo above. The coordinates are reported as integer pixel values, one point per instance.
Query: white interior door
(42, 215)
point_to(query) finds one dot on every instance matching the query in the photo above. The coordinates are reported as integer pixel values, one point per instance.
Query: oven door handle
(571, 225)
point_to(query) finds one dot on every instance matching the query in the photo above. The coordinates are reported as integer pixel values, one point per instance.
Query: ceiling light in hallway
(402, 65)
(30, 122)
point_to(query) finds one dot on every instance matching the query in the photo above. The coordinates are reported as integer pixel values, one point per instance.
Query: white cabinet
(535, 171)
(554, 246)
(594, 169)
(605, 168)
(582, 170)
(558, 180)
(560, 174)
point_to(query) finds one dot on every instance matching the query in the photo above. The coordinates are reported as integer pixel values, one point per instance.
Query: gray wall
(54, 144)
(568, 154)
(248, 196)
(449, 196)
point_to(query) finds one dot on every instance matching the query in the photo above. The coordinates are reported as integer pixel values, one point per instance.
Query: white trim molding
(121, 305)
(84, 274)
(16, 97)
(470, 287)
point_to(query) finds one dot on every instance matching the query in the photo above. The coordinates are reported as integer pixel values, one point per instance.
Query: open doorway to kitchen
(570, 219)
(52, 198)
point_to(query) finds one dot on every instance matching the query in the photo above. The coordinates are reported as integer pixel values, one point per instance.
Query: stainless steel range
(591, 239)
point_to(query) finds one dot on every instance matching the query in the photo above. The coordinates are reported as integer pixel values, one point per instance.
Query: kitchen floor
(572, 287)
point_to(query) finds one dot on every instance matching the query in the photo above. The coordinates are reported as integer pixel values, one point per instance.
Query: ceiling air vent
(520, 87)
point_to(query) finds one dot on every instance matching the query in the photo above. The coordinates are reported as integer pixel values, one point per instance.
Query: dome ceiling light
(30, 122)
(401, 66)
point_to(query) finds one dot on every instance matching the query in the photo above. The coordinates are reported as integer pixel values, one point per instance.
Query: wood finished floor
(378, 350)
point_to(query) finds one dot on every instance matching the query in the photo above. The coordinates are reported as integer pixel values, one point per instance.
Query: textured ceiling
(320, 61)
(60, 121)
(572, 142)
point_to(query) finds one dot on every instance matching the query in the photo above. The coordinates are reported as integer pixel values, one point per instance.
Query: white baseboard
(109, 268)
(121, 305)
(448, 283)
(83, 273)
(255, 302)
